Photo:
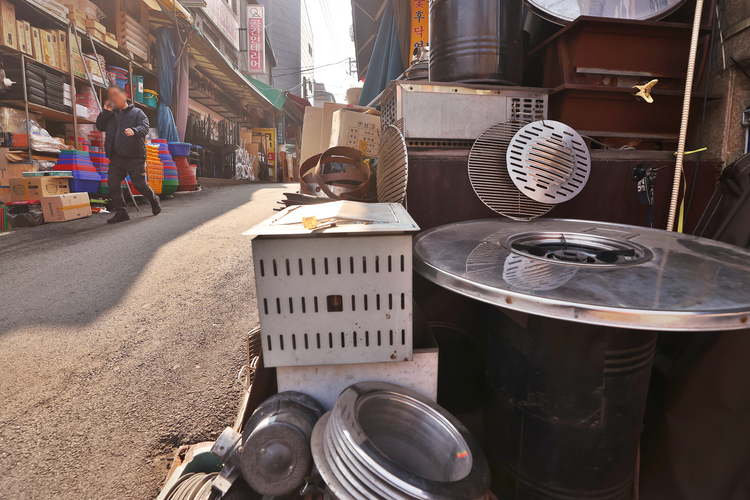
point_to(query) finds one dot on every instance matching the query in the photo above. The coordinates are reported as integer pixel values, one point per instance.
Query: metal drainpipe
(685, 113)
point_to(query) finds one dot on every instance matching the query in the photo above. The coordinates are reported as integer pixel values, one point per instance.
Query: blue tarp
(385, 63)
(165, 61)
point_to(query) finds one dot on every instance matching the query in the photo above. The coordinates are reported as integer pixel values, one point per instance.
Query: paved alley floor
(118, 343)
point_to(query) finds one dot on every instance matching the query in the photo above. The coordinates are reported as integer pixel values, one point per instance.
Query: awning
(214, 65)
(274, 95)
(171, 6)
(281, 100)
(301, 103)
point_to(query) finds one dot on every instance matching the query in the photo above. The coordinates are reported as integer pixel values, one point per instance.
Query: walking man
(126, 127)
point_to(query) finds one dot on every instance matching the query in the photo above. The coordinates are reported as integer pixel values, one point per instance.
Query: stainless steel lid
(565, 11)
(592, 272)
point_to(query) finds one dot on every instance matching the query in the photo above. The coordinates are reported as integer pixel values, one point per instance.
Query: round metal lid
(592, 272)
(565, 11)
(548, 161)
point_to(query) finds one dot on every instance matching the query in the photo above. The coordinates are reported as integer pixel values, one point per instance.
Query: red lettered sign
(256, 48)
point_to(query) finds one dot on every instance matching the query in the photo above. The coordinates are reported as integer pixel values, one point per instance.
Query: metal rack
(56, 115)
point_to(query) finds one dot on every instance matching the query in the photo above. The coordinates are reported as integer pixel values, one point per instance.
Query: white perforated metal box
(339, 295)
(431, 113)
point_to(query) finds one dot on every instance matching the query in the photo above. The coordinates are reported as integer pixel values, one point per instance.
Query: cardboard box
(66, 207)
(329, 108)
(41, 187)
(55, 50)
(49, 48)
(18, 189)
(27, 38)
(36, 44)
(94, 70)
(96, 34)
(93, 23)
(111, 39)
(311, 131)
(77, 15)
(357, 128)
(8, 24)
(21, 37)
(62, 50)
(12, 170)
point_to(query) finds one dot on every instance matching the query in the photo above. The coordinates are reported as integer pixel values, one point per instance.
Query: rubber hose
(685, 112)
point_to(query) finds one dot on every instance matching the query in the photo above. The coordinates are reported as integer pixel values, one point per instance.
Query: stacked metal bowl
(382, 441)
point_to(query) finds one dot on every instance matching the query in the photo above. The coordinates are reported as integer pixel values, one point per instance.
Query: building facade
(290, 32)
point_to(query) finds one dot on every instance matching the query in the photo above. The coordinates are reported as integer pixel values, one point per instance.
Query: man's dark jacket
(129, 146)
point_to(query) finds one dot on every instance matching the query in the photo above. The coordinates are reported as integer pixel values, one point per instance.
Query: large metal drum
(476, 41)
(564, 406)
(570, 354)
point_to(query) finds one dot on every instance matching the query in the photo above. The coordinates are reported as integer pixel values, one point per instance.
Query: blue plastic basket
(179, 148)
(85, 182)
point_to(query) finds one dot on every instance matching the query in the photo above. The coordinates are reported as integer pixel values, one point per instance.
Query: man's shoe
(120, 216)
(156, 206)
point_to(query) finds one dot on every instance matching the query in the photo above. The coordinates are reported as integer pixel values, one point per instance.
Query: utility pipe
(685, 112)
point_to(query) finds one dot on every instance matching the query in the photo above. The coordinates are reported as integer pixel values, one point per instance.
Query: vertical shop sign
(256, 48)
(280, 125)
(223, 18)
(420, 23)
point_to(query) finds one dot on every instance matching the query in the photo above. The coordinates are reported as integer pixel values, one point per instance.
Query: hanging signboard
(256, 47)
(223, 18)
(420, 24)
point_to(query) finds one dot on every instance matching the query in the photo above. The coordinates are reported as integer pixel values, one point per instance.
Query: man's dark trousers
(121, 166)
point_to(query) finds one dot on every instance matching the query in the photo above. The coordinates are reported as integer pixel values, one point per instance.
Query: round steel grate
(393, 166)
(489, 177)
(548, 161)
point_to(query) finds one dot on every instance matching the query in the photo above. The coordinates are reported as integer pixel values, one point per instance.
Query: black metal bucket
(565, 407)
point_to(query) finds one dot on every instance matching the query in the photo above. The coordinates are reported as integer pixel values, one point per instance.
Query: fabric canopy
(274, 95)
(386, 63)
(165, 60)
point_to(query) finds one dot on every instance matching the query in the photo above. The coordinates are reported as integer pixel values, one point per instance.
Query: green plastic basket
(169, 186)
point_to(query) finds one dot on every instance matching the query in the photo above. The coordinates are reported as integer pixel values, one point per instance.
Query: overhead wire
(305, 70)
(328, 18)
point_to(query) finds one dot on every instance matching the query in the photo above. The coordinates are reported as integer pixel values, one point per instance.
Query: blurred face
(117, 97)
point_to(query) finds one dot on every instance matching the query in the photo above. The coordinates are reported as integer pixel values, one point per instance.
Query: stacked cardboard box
(77, 15)
(132, 36)
(96, 29)
(8, 25)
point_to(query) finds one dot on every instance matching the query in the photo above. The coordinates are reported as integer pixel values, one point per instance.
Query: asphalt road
(118, 343)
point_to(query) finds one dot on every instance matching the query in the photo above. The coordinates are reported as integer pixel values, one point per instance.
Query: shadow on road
(71, 273)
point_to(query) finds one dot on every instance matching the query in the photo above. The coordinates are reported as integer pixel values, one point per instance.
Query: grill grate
(548, 161)
(489, 176)
(393, 166)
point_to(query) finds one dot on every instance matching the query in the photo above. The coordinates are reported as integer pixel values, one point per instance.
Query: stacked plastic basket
(119, 75)
(101, 163)
(154, 168)
(185, 173)
(171, 179)
(85, 177)
(87, 99)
